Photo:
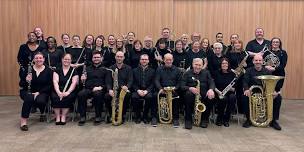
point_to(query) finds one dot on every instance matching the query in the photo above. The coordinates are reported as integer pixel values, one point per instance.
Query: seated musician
(35, 89)
(94, 80)
(224, 79)
(168, 76)
(189, 84)
(143, 77)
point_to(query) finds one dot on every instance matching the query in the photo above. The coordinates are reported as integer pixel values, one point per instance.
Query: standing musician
(233, 38)
(255, 46)
(225, 79)
(195, 52)
(65, 38)
(214, 63)
(185, 42)
(35, 89)
(40, 37)
(143, 86)
(88, 45)
(160, 51)
(180, 56)
(206, 91)
(65, 80)
(52, 54)
(149, 49)
(135, 54)
(276, 48)
(130, 40)
(166, 37)
(125, 79)
(109, 55)
(219, 38)
(95, 87)
(250, 80)
(168, 76)
(120, 46)
(99, 44)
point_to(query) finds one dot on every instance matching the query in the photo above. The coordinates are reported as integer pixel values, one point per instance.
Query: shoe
(247, 124)
(154, 122)
(204, 125)
(24, 128)
(218, 123)
(42, 118)
(226, 124)
(188, 125)
(82, 121)
(275, 125)
(146, 121)
(97, 121)
(137, 120)
(175, 123)
(62, 123)
(58, 123)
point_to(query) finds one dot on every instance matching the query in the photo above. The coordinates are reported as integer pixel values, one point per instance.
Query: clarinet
(29, 71)
(84, 71)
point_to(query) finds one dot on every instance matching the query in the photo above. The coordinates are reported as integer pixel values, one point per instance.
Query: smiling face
(76, 41)
(65, 39)
(275, 43)
(168, 59)
(39, 59)
(259, 33)
(119, 57)
(66, 60)
(38, 31)
(97, 58)
(224, 65)
(32, 37)
(144, 60)
(258, 61)
(51, 43)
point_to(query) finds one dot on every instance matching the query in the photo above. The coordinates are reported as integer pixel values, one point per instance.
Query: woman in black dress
(65, 43)
(35, 89)
(65, 80)
(52, 54)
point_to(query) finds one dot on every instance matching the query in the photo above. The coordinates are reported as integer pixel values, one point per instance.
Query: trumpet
(158, 57)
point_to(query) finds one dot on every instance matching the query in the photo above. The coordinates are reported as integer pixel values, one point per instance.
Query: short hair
(96, 52)
(75, 36)
(166, 28)
(197, 60)
(217, 44)
(62, 35)
(144, 55)
(51, 37)
(132, 33)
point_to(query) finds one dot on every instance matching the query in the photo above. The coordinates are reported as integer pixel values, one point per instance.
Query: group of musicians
(69, 72)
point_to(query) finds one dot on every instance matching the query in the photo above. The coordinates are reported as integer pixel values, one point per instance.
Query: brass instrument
(117, 103)
(240, 69)
(222, 94)
(261, 100)
(270, 59)
(157, 56)
(199, 107)
(165, 105)
(29, 71)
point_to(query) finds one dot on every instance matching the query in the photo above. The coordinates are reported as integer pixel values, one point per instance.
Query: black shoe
(175, 123)
(204, 125)
(33, 110)
(58, 123)
(275, 125)
(247, 124)
(188, 125)
(146, 121)
(97, 121)
(24, 128)
(218, 123)
(154, 122)
(42, 118)
(62, 123)
(226, 124)
(82, 121)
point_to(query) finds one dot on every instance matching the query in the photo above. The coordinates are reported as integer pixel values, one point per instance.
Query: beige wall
(280, 18)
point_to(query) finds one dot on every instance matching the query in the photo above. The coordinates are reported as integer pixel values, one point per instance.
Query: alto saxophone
(199, 107)
(240, 69)
(165, 105)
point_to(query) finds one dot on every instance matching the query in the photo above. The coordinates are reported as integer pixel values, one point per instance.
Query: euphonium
(261, 100)
(199, 107)
(117, 103)
(165, 105)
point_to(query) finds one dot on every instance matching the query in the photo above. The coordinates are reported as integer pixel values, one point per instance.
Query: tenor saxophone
(199, 107)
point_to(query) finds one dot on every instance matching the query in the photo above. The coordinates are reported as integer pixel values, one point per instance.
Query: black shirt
(125, 77)
(180, 59)
(192, 55)
(222, 80)
(134, 58)
(235, 58)
(167, 77)
(206, 81)
(169, 44)
(255, 47)
(96, 76)
(108, 57)
(53, 59)
(214, 64)
(63, 49)
(249, 77)
(143, 79)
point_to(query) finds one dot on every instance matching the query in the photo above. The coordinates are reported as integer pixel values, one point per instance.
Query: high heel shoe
(24, 128)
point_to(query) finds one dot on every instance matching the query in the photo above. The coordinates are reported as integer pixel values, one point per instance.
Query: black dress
(67, 101)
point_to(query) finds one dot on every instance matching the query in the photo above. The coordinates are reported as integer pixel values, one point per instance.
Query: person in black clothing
(143, 78)
(222, 79)
(64, 93)
(109, 52)
(255, 46)
(99, 44)
(88, 45)
(230, 47)
(35, 89)
(206, 91)
(195, 52)
(125, 79)
(95, 87)
(135, 54)
(52, 54)
(214, 63)
(149, 49)
(185, 43)
(160, 51)
(250, 80)
(65, 43)
(166, 37)
(130, 41)
(180, 56)
(276, 48)
(40, 38)
(169, 76)
(120, 46)
(26, 53)
(219, 39)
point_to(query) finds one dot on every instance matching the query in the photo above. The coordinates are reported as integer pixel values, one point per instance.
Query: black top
(222, 80)
(42, 44)
(53, 59)
(152, 61)
(42, 83)
(134, 57)
(206, 81)
(108, 57)
(143, 78)
(167, 77)
(192, 55)
(168, 44)
(75, 52)
(254, 46)
(125, 77)
(235, 58)
(63, 49)
(180, 59)
(214, 64)
(96, 76)
(64, 78)
(249, 77)
(25, 55)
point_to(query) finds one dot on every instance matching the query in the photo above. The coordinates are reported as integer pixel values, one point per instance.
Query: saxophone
(240, 69)
(117, 103)
(199, 107)
(165, 105)
(261, 100)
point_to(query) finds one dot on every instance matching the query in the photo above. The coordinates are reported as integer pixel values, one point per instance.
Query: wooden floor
(131, 137)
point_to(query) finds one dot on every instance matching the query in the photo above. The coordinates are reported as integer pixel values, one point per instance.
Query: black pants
(276, 106)
(84, 95)
(29, 101)
(175, 104)
(189, 107)
(225, 107)
(108, 103)
(239, 94)
(138, 104)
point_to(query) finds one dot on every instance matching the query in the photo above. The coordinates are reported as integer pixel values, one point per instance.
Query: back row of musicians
(67, 72)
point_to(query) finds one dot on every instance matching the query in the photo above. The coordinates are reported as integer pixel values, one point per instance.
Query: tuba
(199, 107)
(165, 105)
(261, 100)
(117, 103)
